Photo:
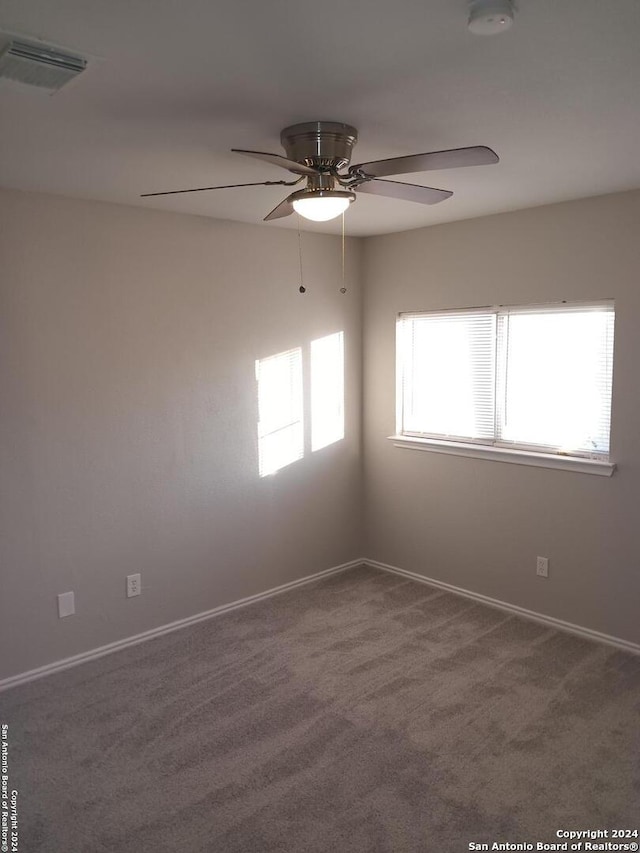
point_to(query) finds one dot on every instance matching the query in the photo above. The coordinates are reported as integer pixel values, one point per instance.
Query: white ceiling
(174, 84)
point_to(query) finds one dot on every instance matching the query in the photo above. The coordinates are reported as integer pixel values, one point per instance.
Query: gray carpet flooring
(358, 714)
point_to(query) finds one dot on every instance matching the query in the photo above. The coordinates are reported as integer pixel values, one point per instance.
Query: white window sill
(505, 454)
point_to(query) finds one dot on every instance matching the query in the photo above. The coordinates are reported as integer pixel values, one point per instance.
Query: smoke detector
(39, 65)
(490, 17)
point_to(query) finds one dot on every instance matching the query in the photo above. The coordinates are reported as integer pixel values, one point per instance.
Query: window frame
(496, 448)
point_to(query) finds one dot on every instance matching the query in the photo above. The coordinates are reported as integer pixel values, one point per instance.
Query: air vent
(39, 65)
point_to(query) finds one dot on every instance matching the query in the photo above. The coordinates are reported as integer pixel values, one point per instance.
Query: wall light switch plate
(66, 604)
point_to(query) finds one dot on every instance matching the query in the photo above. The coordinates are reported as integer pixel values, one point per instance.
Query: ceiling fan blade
(223, 187)
(478, 155)
(285, 208)
(277, 160)
(406, 192)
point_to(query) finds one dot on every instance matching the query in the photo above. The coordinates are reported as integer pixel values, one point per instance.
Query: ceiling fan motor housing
(322, 144)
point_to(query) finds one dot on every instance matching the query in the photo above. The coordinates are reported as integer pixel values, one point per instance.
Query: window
(532, 379)
(280, 427)
(327, 390)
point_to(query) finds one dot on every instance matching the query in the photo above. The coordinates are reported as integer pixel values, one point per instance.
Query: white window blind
(537, 377)
(447, 363)
(327, 390)
(280, 426)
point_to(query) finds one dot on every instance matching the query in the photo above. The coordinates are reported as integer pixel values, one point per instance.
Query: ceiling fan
(317, 151)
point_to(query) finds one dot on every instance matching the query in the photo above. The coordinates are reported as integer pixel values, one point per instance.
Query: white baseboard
(93, 654)
(561, 625)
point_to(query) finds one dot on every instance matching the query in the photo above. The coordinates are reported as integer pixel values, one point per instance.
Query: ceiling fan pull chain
(343, 289)
(302, 288)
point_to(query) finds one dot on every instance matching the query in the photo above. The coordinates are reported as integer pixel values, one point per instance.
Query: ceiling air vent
(39, 65)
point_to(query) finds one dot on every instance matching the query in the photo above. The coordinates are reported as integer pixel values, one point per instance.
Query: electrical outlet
(542, 567)
(66, 604)
(134, 585)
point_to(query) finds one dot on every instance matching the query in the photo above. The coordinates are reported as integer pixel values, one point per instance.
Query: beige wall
(480, 524)
(128, 430)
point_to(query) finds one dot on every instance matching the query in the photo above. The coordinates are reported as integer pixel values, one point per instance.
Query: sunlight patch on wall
(327, 390)
(284, 400)
(280, 411)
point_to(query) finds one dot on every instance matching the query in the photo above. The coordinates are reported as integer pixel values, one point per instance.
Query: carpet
(363, 713)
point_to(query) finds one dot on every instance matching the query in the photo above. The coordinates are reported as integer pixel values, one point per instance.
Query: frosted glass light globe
(321, 208)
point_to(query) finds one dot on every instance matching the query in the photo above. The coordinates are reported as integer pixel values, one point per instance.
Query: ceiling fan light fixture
(321, 205)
